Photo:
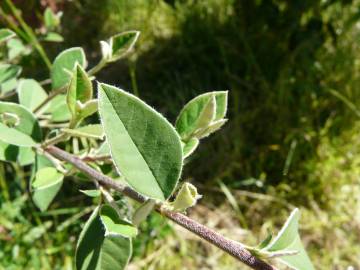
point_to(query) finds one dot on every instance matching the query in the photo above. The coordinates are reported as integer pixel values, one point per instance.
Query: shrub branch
(233, 248)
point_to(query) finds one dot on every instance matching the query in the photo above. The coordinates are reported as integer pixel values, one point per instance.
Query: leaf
(16, 48)
(143, 212)
(197, 113)
(186, 197)
(80, 89)
(31, 94)
(46, 185)
(91, 192)
(26, 132)
(144, 146)
(8, 72)
(97, 252)
(53, 37)
(214, 126)
(8, 152)
(59, 109)
(26, 156)
(288, 239)
(114, 225)
(51, 20)
(87, 109)
(90, 131)
(64, 64)
(190, 146)
(6, 34)
(121, 44)
(103, 150)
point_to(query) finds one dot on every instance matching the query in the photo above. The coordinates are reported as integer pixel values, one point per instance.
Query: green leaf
(31, 94)
(214, 126)
(51, 20)
(90, 131)
(186, 197)
(26, 156)
(46, 185)
(59, 109)
(200, 112)
(8, 72)
(144, 146)
(103, 149)
(91, 192)
(8, 152)
(121, 44)
(143, 212)
(64, 64)
(97, 252)
(53, 37)
(87, 109)
(288, 239)
(190, 146)
(16, 48)
(114, 225)
(80, 89)
(6, 34)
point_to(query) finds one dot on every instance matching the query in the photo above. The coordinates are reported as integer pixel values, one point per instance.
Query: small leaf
(16, 48)
(265, 242)
(80, 89)
(105, 50)
(214, 126)
(197, 113)
(59, 109)
(90, 131)
(122, 43)
(103, 150)
(144, 146)
(91, 192)
(87, 109)
(95, 251)
(288, 240)
(6, 34)
(26, 156)
(46, 185)
(8, 72)
(31, 94)
(114, 225)
(186, 197)
(51, 20)
(8, 152)
(64, 64)
(143, 212)
(53, 37)
(190, 146)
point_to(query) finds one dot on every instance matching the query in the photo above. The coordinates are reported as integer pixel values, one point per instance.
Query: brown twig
(233, 248)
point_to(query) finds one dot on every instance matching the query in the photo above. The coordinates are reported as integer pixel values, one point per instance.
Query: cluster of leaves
(146, 150)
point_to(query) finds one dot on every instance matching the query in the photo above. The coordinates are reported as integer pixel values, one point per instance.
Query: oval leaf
(64, 64)
(31, 94)
(95, 251)
(190, 146)
(6, 34)
(197, 113)
(121, 44)
(114, 225)
(288, 239)
(8, 72)
(46, 185)
(144, 146)
(143, 212)
(80, 89)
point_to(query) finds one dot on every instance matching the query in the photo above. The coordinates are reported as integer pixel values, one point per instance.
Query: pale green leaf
(8, 152)
(59, 109)
(31, 94)
(114, 225)
(196, 114)
(144, 146)
(97, 252)
(6, 34)
(64, 64)
(103, 150)
(51, 20)
(214, 126)
(16, 48)
(91, 192)
(26, 156)
(122, 43)
(87, 109)
(186, 197)
(53, 37)
(288, 239)
(45, 186)
(90, 131)
(190, 146)
(80, 89)
(143, 212)
(8, 72)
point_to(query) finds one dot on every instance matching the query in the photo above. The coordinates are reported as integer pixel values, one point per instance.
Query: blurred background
(292, 139)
